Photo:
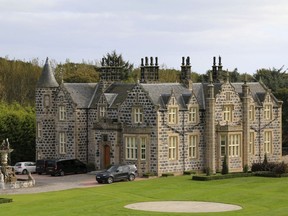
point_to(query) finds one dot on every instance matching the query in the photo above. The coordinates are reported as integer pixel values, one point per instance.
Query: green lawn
(257, 196)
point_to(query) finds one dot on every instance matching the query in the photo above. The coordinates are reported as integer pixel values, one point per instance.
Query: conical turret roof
(47, 78)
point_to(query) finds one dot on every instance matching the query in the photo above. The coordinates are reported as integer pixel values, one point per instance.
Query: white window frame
(223, 144)
(267, 109)
(62, 143)
(193, 114)
(173, 147)
(173, 115)
(268, 139)
(62, 113)
(234, 143)
(137, 115)
(193, 146)
(102, 111)
(251, 142)
(39, 130)
(227, 113)
(251, 112)
(131, 148)
(143, 146)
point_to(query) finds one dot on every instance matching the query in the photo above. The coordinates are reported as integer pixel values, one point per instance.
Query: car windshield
(112, 169)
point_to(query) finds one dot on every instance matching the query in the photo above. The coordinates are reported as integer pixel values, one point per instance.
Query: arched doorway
(106, 156)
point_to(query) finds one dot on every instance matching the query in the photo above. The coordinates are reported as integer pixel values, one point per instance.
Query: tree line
(18, 80)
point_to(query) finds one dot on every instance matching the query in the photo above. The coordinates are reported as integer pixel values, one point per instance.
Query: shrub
(225, 169)
(218, 177)
(277, 169)
(207, 171)
(167, 174)
(189, 172)
(148, 174)
(245, 168)
(5, 200)
(257, 167)
(280, 169)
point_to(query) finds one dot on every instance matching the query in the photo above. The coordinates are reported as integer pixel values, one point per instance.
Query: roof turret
(47, 78)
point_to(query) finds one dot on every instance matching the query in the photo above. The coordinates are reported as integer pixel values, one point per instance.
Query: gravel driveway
(45, 183)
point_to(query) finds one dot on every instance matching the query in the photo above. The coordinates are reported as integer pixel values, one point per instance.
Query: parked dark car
(63, 167)
(41, 165)
(117, 173)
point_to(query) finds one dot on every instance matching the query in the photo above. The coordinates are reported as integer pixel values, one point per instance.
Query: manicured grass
(257, 196)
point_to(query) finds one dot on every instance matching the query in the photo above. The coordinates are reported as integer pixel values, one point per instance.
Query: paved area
(183, 206)
(46, 183)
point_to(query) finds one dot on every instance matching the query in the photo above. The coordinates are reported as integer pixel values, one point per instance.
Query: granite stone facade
(160, 127)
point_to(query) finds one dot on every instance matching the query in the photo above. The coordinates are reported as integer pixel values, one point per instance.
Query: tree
(17, 123)
(114, 59)
(76, 73)
(273, 78)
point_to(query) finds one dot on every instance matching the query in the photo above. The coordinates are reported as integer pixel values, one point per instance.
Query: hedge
(218, 177)
(5, 200)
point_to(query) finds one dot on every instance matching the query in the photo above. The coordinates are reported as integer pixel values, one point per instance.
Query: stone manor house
(160, 127)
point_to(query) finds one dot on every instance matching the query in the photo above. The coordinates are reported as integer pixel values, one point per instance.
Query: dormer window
(193, 114)
(267, 111)
(102, 111)
(137, 115)
(62, 113)
(173, 115)
(228, 96)
(227, 113)
(251, 112)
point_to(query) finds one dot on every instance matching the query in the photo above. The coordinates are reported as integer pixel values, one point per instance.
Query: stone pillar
(246, 125)
(210, 128)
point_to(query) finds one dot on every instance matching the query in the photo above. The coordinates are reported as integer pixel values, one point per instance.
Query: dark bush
(218, 177)
(245, 168)
(189, 172)
(167, 174)
(225, 169)
(280, 168)
(5, 200)
(257, 167)
(277, 169)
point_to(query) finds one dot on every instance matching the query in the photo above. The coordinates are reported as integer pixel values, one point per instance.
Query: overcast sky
(247, 34)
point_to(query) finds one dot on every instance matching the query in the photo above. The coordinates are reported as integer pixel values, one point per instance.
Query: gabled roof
(47, 78)
(110, 97)
(87, 95)
(81, 93)
(161, 93)
(118, 92)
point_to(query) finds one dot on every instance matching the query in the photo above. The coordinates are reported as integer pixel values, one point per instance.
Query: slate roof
(81, 93)
(257, 90)
(86, 95)
(161, 93)
(118, 92)
(47, 78)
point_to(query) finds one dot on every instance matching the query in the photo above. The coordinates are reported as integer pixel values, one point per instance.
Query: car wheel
(24, 172)
(110, 180)
(62, 173)
(131, 177)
